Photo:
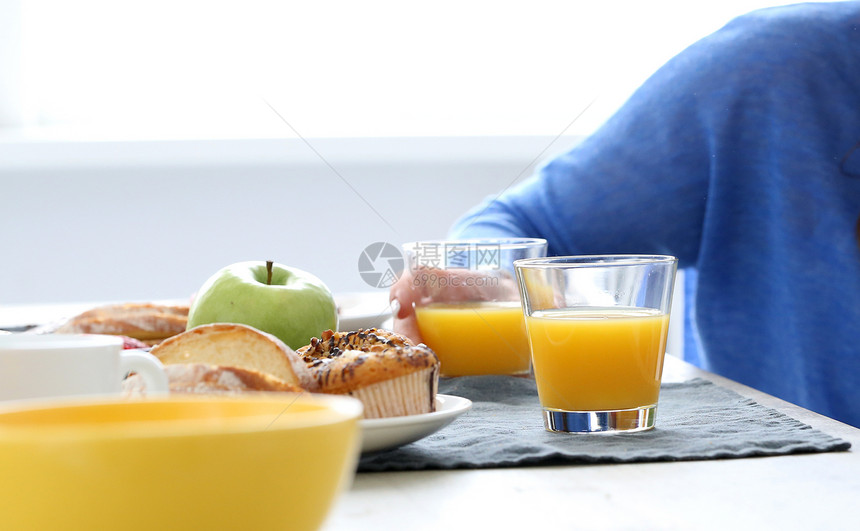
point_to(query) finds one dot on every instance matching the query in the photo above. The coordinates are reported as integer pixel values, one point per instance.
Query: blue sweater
(740, 157)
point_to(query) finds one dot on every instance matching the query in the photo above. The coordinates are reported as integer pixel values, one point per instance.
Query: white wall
(118, 221)
(138, 220)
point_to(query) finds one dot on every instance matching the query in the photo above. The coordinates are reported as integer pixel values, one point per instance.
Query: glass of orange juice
(467, 303)
(597, 329)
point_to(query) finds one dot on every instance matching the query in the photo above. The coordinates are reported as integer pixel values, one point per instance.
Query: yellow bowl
(254, 462)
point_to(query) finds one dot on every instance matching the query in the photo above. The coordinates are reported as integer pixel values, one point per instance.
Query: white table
(807, 491)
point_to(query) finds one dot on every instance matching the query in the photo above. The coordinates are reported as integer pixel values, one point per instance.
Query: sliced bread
(236, 345)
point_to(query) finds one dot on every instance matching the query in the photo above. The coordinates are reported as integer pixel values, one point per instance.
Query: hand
(447, 286)
(402, 297)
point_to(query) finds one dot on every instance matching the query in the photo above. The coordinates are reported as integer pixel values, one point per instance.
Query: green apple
(286, 302)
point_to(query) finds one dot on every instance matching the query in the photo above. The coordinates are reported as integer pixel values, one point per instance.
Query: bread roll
(236, 345)
(150, 323)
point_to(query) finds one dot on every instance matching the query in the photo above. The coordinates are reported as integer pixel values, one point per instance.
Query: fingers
(402, 296)
(408, 327)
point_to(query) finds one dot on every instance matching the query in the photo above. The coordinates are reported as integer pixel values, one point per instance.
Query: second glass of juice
(467, 303)
(597, 327)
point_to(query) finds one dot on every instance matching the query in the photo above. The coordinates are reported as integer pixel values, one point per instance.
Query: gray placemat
(696, 419)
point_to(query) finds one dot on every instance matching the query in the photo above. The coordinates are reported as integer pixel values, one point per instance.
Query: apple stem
(269, 265)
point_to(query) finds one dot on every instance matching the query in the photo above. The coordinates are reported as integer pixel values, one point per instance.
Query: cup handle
(149, 368)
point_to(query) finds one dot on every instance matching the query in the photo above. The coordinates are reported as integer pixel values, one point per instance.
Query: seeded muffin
(390, 375)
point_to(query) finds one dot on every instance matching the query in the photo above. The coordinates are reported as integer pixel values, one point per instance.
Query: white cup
(34, 366)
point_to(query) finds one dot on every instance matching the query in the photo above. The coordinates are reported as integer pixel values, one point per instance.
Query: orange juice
(598, 359)
(476, 338)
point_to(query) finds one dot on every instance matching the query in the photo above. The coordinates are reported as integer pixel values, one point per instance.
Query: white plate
(362, 310)
(388, 433)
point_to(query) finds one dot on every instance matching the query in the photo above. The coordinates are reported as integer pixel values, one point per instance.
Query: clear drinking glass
(597, 328)
(467, 303)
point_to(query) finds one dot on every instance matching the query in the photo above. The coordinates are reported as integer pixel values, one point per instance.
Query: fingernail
(395, 307)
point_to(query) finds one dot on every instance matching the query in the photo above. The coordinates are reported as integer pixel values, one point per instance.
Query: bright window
(179, 68)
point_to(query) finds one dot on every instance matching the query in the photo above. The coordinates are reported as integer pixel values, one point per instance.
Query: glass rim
(503, 243)
(594, 260)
